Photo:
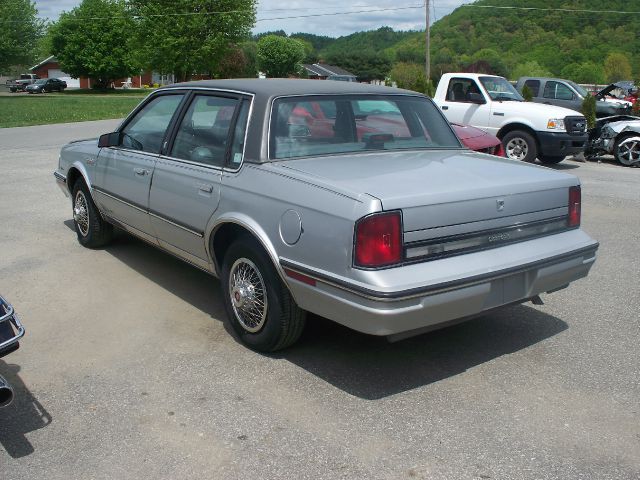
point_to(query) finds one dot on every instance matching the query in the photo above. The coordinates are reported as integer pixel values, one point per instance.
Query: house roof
(52, 58)
(325, 70)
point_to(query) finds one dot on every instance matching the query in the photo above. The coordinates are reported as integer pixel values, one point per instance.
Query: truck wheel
(551, 159)
(519, 145)
(92, 230)
(259, 307)
(627, 149)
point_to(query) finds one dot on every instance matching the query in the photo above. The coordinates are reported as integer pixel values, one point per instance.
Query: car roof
(274, 87)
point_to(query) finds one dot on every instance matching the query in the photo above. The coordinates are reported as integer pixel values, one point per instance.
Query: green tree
(617, 67)
(367, 65)
(187, 37)
(280, 56)
(410, 76)
(20, 30)
(589, 110)
(527, 94)
(92, 40)
(530, 69)
(587, 72)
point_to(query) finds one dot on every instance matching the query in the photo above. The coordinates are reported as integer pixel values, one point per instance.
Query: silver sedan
(355, 202)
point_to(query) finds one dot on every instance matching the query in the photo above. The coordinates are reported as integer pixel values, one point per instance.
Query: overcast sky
(335, 25)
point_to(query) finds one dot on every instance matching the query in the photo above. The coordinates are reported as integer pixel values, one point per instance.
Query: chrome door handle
(205, 187)
(140, 171)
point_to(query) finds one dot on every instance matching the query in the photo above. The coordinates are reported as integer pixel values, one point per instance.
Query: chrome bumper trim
(436, 288)
(11, 317)
(60, 177)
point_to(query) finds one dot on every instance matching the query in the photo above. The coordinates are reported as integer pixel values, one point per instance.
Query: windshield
(324, 125)
(500, 89)
(581, 90)
(40, 82)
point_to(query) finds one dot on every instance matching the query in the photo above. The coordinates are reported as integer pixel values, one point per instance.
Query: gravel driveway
(127, 372)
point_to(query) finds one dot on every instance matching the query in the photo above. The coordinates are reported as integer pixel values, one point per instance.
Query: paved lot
(127, 371)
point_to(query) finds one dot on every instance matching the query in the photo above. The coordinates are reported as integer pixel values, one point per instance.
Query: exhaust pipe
(6, 393)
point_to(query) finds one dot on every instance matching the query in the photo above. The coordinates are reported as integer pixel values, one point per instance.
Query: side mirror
(476, 98)
(112, 139)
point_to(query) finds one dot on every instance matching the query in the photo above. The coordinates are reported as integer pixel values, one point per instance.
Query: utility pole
(428, 41)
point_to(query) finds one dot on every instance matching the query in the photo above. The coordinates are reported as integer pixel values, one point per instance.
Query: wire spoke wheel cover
(248, 295)
(517, 148)
(81, 213)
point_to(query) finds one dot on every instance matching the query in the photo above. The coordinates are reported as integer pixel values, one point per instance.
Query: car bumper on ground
(560, 260)
(561, 144)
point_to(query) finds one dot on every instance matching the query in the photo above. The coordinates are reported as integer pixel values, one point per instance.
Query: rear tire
(551, 159)
(520, 145)
(92, 230)
(627, 149)
(260, 309)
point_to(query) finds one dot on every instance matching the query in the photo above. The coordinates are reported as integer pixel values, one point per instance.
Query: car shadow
(562, 166)
(23, 416)
(192, 285)
(362, 365)
(371, 368)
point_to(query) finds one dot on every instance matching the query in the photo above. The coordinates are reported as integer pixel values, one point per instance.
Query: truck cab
(527, 130)
(568, 94)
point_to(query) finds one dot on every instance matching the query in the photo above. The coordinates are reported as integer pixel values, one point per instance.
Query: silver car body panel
(303, 212)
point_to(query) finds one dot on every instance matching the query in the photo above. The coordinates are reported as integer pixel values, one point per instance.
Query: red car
(321, 124)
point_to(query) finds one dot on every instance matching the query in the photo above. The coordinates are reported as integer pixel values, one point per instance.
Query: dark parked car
(568, 94)
(46, 85)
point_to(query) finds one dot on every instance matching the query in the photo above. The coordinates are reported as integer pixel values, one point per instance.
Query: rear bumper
(561, 144)
(484, 286)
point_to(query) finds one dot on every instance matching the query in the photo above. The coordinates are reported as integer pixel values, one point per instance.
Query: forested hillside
(510, 42)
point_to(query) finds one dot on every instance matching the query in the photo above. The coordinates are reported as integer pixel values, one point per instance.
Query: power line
(550, 9)
(160, 15)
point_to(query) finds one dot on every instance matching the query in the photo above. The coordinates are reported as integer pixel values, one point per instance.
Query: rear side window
(460, 88)
(534, 86)
(146, 130)
(309, 126)
(204, 130)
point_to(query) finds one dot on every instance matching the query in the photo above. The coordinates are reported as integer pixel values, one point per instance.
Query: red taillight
(574, 206)
(378, 241)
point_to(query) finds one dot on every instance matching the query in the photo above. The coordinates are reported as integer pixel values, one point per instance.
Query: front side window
(310, 126)
(204, 130)
(146, 130)
(558, 91)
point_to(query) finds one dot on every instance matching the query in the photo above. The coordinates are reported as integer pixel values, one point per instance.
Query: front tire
(520, 145)
(260, 309)
(627, 150)
(92, 230)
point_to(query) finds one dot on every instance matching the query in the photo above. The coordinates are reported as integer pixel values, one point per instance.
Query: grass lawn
(23, 109)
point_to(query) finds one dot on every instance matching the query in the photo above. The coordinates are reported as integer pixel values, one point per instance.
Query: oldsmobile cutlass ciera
(355, 202)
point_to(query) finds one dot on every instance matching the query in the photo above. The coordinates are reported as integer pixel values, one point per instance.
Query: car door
(186, 182)
(457, 107)
(560, 94)
(122, 174)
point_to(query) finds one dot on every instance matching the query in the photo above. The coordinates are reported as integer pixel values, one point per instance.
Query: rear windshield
(325, 125)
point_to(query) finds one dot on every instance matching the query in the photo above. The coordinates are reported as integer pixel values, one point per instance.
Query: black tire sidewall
(551, 159)
(268, 337)
(532, 146)
(96, 224)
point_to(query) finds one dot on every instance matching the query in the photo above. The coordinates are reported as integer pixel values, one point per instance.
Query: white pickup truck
(527, 130)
